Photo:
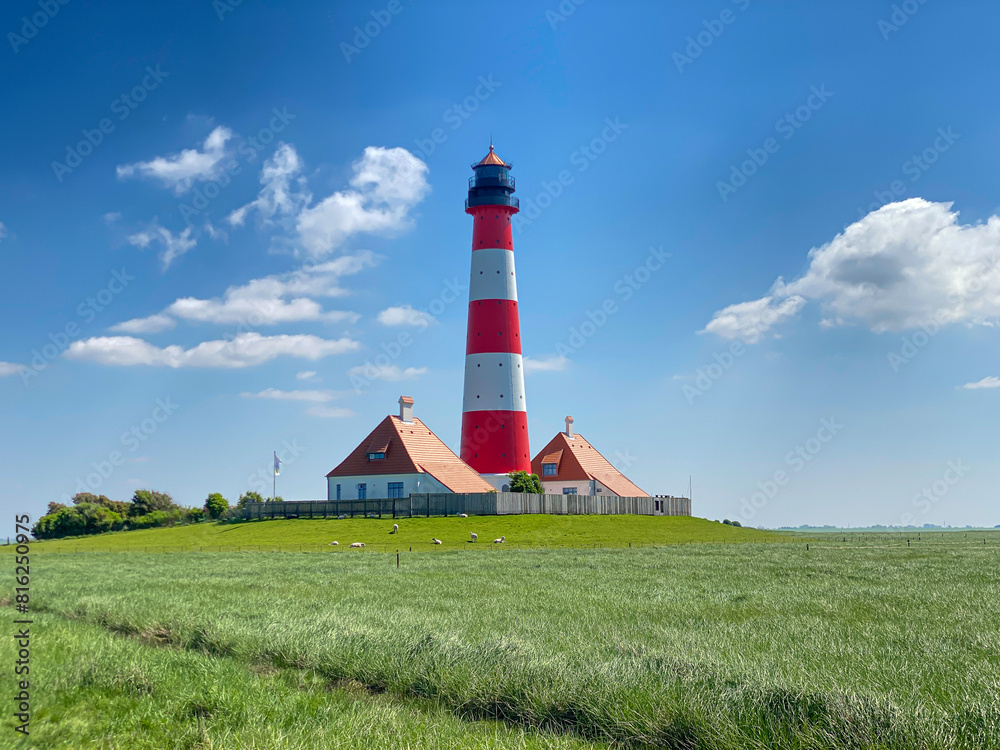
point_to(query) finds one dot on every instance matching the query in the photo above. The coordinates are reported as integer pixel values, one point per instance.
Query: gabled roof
(579, 461)
(410, 448)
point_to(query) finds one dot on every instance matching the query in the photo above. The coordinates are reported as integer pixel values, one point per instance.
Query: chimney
(405, 409)
(569, 427)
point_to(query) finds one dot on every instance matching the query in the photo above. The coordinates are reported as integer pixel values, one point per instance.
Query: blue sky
(275, 198)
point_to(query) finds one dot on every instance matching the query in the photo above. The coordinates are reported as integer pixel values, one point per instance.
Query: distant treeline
(97, 514)
(925, 527)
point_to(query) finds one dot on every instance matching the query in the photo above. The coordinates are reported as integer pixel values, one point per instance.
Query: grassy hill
(527, 531)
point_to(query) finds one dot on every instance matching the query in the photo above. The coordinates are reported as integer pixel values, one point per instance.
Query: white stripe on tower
(492, 275)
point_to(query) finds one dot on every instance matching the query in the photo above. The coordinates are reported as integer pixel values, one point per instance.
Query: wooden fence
(474, 504)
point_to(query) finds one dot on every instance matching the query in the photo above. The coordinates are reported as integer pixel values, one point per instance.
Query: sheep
(357, 544)
(436, 540)
(395, 528)
(474, 535)
(463, 515)
(334, 543)
(501, 540)
(342, 516)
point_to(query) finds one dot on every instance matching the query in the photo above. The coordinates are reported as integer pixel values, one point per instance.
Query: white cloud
(10, 368)
(318, 396)
(151, 324)
(330, 412)
(3, 231)
(405, 316)
(181, 171)
(306, 375)
(245, 350)
(263, 301)
(386, 372)
(991, 381)
(548, 364)
(111, 217)
(284, 191)
(751, 320)
(174, 246)
(387, 183)
(905, 265)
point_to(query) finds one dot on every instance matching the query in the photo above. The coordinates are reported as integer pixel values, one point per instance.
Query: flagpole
(274, 477)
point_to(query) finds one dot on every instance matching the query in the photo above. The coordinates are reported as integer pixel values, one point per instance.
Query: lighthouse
(494, 412)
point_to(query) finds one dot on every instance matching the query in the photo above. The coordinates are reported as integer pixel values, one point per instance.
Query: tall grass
(93, 690)
(699, 646)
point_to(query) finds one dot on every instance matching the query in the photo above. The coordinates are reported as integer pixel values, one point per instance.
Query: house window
(338, 492)
(549, 470)
(375, 456)
(395, 489)
(569, 490)
(362, 491)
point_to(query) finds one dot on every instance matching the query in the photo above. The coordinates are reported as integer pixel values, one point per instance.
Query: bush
(83, 518)
(194, 515)
(150, 501)
(522, 481)
(216, 505)
(249, 497)
(156, 518)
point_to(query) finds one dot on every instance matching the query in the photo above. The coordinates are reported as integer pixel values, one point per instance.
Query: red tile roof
(410, 448)
(579, 461)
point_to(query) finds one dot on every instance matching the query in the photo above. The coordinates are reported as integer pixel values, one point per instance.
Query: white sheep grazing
(395, 528)
(501, 540)
(334, 543)
(357, 544)
(463, 515)
(342, 516)
(474, 535)
(436, 540)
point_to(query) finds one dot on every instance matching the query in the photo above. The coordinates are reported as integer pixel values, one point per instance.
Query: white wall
(582, 487)
(378, 485)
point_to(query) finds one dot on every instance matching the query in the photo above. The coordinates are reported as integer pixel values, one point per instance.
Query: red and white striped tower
(494, 414)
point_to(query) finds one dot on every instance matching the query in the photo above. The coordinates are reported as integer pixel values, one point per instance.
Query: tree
(150, 501)
(522, 481)
(216, 505)
(54, 508)
(115, 506)
(249, 497)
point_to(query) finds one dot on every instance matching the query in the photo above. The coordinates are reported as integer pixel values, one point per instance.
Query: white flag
(277, 464)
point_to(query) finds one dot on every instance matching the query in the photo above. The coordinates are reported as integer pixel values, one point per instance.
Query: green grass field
(855, 643)
(528, 531)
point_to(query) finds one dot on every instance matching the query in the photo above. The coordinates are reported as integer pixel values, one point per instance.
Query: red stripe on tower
(494, 414)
